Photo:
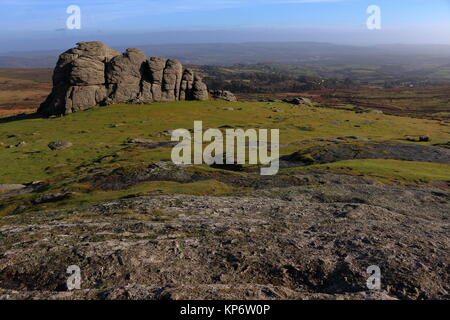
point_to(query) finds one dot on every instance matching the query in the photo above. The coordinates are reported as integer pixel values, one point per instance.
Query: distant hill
(294, 53)
(28, 62)
(301, 53)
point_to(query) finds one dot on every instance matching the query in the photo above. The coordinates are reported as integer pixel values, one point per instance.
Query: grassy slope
(102, 132)
(99, 137)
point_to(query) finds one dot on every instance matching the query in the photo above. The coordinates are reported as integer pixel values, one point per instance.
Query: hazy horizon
(70, 43)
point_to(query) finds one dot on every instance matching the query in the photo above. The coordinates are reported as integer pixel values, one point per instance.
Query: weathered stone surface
(95, 50)
(371, 150)
(156, 66)
(155, 73)
(93, 74)
(78, 79)
(199, 89)
(313, 239)
(87, 71)
(171, 80)
(84, 97)
(187, 83)
(192, 87)
(124, 75)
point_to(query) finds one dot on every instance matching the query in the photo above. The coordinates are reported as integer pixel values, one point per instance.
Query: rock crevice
(93, 74)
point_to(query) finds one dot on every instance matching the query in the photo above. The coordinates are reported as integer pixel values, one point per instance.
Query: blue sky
(340, 21)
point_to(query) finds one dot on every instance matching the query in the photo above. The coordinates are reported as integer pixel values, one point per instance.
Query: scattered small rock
(165, 133)
(372, 111)
(150, 144)
(139, 141)
(117, 125)
(223, 95)
(59, 145)
(329, 140)
(417, 138)
(21, 144)
(299, 101)
(357, 138)
(60, 165)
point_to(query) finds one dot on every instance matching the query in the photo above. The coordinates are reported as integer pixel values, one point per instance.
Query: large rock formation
(93, 74)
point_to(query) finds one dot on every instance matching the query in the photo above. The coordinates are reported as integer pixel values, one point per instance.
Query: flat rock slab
(59, 145)
(150, 144)
(299, 243)
(372, 150)
(11, 187)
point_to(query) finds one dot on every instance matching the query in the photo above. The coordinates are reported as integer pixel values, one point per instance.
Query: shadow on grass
(23, 116)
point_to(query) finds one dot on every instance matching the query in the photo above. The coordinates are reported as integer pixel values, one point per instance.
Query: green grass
(99, 135)
(388, 170)
(101, 132)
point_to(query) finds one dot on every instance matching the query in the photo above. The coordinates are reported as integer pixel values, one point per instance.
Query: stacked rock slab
(93, 74)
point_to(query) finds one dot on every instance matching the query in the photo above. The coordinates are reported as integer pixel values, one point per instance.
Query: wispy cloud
(157, 5)
(51, 13)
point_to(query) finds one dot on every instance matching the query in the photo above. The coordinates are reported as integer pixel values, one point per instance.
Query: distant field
(419, 102)
(425, 102)
(396, 89)
(273, 77)
(22, 90)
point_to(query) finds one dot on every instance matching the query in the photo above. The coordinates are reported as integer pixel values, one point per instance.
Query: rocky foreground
(311, 237)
